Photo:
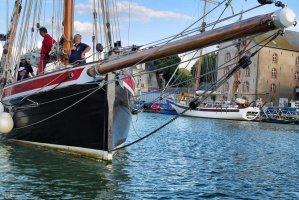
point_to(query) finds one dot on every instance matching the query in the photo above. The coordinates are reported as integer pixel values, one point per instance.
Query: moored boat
(279, 120)
(168, 109)
(86, 108)
(229, 112)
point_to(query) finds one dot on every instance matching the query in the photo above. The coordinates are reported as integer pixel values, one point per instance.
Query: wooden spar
(68, 27)
(236, 30)
(233, 31)
(200, 52)
(13, 30)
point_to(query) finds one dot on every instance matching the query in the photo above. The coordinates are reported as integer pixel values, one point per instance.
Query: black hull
(74, 116)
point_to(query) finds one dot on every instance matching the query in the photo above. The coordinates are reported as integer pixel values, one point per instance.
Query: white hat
(21, 69)
(23, 57)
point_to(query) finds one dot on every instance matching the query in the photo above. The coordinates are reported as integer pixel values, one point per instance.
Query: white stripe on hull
(92, 153)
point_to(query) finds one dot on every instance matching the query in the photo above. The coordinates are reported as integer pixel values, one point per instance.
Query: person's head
(23, 60)
(22, 71)
(43, 31)
(77, 38)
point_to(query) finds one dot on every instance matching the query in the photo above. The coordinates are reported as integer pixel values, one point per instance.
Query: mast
(10, 36)
(68, 28)
(13, 29)
(279, 19)
(200, 53)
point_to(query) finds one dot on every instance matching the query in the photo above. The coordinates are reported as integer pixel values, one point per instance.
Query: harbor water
(192, 158)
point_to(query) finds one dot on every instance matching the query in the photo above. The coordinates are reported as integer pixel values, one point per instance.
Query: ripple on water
(188, 159)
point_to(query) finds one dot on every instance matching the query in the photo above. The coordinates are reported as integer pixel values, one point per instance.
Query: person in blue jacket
(22, 74)
(78, 50)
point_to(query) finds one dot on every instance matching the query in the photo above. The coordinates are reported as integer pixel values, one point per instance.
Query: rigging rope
(226, 5)
(104, 16)
(21, 39)
(37, 26)
(32, 28)
(118, 37)
(188, 31)
(181, 73)
(129, 23)
(151, 133)
(70, 106)
(99, 10)
(107, 83)
(176, 36)
(243, 63)
(174, 84)
(224, 65)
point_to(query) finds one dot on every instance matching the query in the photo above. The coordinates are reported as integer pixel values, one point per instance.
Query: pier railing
(278, 114)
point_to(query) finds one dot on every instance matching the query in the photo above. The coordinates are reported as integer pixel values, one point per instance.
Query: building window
(227, 57)
(275, 57)
(226, 86)
(246, 87)
(274, 73)
(297, 61)
(226, 70)
(139, 81)
(247, 71)
(273, 88)
(243, 43)
(297, 76)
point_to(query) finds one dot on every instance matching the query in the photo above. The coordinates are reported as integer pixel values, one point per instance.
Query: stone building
(273, 75)
(146, 79)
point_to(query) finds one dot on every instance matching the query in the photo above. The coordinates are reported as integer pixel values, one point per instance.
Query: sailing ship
(85, 109)
(240, 110)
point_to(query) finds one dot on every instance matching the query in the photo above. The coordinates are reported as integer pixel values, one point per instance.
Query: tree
(172, 61)
(208, 65)
(183, 77)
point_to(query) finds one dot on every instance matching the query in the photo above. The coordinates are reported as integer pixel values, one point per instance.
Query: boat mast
(10, 37)
(200, 53)
(68, 28)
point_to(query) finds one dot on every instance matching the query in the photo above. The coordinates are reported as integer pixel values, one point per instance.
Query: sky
(144, 21)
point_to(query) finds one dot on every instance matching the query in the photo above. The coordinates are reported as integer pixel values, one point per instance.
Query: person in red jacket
(46, 48)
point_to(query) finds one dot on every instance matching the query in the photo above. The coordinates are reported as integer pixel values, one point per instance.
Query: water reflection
(35, 173)
(207, 158)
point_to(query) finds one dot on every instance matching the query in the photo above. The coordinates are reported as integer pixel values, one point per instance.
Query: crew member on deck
(46, 48)
(22, 74)
(79, 50)
(26, 65)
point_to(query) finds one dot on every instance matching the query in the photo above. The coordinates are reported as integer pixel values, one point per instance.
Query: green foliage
(172, 61)
(183, 77)
(208, 65)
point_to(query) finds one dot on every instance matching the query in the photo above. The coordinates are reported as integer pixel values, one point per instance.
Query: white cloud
(84, 8)
(83, 27)
(142, 14)
(137, 13)
(185, 60)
